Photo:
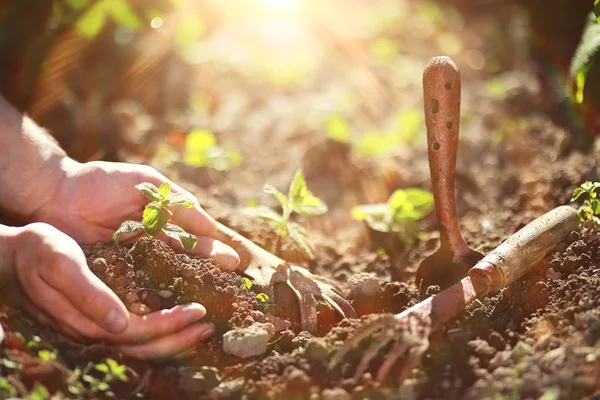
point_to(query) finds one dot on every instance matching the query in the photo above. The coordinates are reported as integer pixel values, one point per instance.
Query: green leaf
(577, 193)
(409, 124)
(92, 22)
(197, 144)
(380, 222)
(597, 10)
(247, 283)
(124, 15)
(155, 218)
(587, 51)
(278, 195)
(102, 368)
(263, 212)
(337, 128)
(299, 235)
(38, 392)
(180, 199)
(47, 355)
(117, 369)
(164, 190)
(262, 297)
(149, 190)
(360, 213)
(419, 203)
(187, 240)
(6, 386)
(302, 200)
(127, 227)
(595, 206)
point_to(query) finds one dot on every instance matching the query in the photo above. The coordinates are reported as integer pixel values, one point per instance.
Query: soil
(538, 338)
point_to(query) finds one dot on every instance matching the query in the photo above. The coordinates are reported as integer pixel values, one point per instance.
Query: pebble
(551, 274)
(248, 342)
(363, 284)
(316, 350)
(131, 296)
(139, 309)
(99, 265)
(335, 394)
(200, 381)
(165, 294)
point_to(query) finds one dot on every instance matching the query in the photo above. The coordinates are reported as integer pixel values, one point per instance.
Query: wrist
(32, 164)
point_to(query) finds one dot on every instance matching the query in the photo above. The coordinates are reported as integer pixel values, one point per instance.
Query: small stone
(552, 275)
(553, 360)
(131, 296)
(139, 309)
(200, 381)
(316, 350)
(99, 265)
(152, 300)
(300, 340)
(165, 294)
(363, 284)
(335, 394)
(248, 342)
(520, 351)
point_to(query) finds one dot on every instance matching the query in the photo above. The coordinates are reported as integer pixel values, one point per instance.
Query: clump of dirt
(150, 276)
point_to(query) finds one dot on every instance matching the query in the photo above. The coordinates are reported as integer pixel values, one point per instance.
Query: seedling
(247, 285)
(156, 215)
(585, 55)
(591, 206)
(299, 200)
(399, 214)
(201, 150)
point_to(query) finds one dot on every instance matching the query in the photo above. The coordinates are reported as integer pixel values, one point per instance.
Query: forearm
(31, 163)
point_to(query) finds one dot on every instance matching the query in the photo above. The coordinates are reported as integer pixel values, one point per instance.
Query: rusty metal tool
(268, 271)
(408, 331)
(441, 92)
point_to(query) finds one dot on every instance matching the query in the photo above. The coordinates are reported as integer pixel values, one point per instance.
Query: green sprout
(399, 214)
(201, 150)
(85, 382)
(337, 128)
(585, 55)
(262, 297)
(591, 206)
(247, 285)
(299, 200)
(155, 219)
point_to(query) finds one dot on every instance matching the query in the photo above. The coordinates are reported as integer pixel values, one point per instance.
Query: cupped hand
(93, 199)
(44, 271)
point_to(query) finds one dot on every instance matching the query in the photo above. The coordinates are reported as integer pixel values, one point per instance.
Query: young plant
(591, 206)
(399, 214)
(155, 219)
(586, 55)
(299, 200)
(201, 150)
(247, 285)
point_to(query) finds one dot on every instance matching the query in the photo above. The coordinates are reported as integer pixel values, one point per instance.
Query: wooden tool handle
(516, 255)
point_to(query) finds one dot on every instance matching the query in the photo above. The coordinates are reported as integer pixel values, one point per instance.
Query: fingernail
(194, 311)
(227, 257)
(115, 321)
(208, 331)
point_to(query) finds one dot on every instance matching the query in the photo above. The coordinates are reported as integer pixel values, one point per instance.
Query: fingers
(171, 345)
(225, 256)
(159, 323)
(68, 275)
(193, 220)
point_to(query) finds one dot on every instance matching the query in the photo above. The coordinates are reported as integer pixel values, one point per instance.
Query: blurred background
(231, 94)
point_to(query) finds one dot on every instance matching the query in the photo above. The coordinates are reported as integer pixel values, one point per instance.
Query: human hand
(44, 271)
(92, 199)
